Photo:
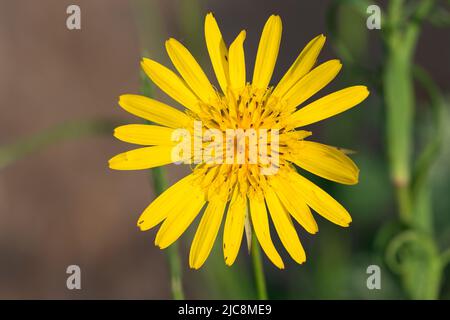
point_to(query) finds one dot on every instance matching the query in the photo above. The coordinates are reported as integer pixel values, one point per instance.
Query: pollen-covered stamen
(245, 108)
(253, 138)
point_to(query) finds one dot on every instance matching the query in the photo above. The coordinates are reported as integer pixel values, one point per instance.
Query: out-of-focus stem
(401, 39)
(398, 90)
(404, 203)
(159, 185)
(159, 182)
(175, 272)
(421, 274)
(258, 270)
(61, 132)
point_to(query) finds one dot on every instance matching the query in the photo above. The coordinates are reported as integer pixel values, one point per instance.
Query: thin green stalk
(159, 185)
(258, 270)
(401, 40)
(176, 283)
(159, 182)
(404, 203)
(421, 269)
(61, 132)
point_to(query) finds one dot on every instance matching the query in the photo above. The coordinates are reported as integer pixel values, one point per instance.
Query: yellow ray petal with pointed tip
(301, 66)
(320, 201)
(326, 161)
(330, 105)
(217, 50)
(180, 218)
(260, 222)
(237, 62)
(142, 158)
(164, 204)
(170, 83)
(190, 70)
(267, 54)
(294, 205)
(312, 83)
(144, 134)
(285, 228)
(234, 227)
(154, 111)
(206, 233)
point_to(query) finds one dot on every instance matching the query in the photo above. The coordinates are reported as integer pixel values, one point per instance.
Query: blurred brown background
(62, 205)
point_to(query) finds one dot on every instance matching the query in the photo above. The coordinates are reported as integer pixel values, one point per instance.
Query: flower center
(243, 136)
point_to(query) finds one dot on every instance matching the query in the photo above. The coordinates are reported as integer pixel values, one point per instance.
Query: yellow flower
(240, 191)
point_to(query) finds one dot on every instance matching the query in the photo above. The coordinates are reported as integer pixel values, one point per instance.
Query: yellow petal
(296, 206)
(311, 83)
(326, 162)
(217, 50)
(289, 136)
(266, 57)
(237, 62)
(206, 233)
(170, 83)
(285, 228)
(260, 222)
(142, 158)
(178, 220)
(159, 209)
(190, 70)
(329, 105)
(154, 111)
(320, 201)
(234, 227)
(144, 134)
(302, 65)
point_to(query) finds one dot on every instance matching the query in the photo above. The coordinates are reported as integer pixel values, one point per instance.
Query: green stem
(404, 203)
(159, 185)
(159, 181)
(61, 132)
(258, 270)
(176, 283)
(420, 269)
(401, 39)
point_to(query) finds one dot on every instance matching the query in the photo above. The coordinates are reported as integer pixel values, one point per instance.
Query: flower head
(234, 179)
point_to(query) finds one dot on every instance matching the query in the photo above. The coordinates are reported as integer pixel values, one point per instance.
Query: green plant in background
(413, 251)
(421, 264)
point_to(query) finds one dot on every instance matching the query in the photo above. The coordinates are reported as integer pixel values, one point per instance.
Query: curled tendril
(421, 241)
